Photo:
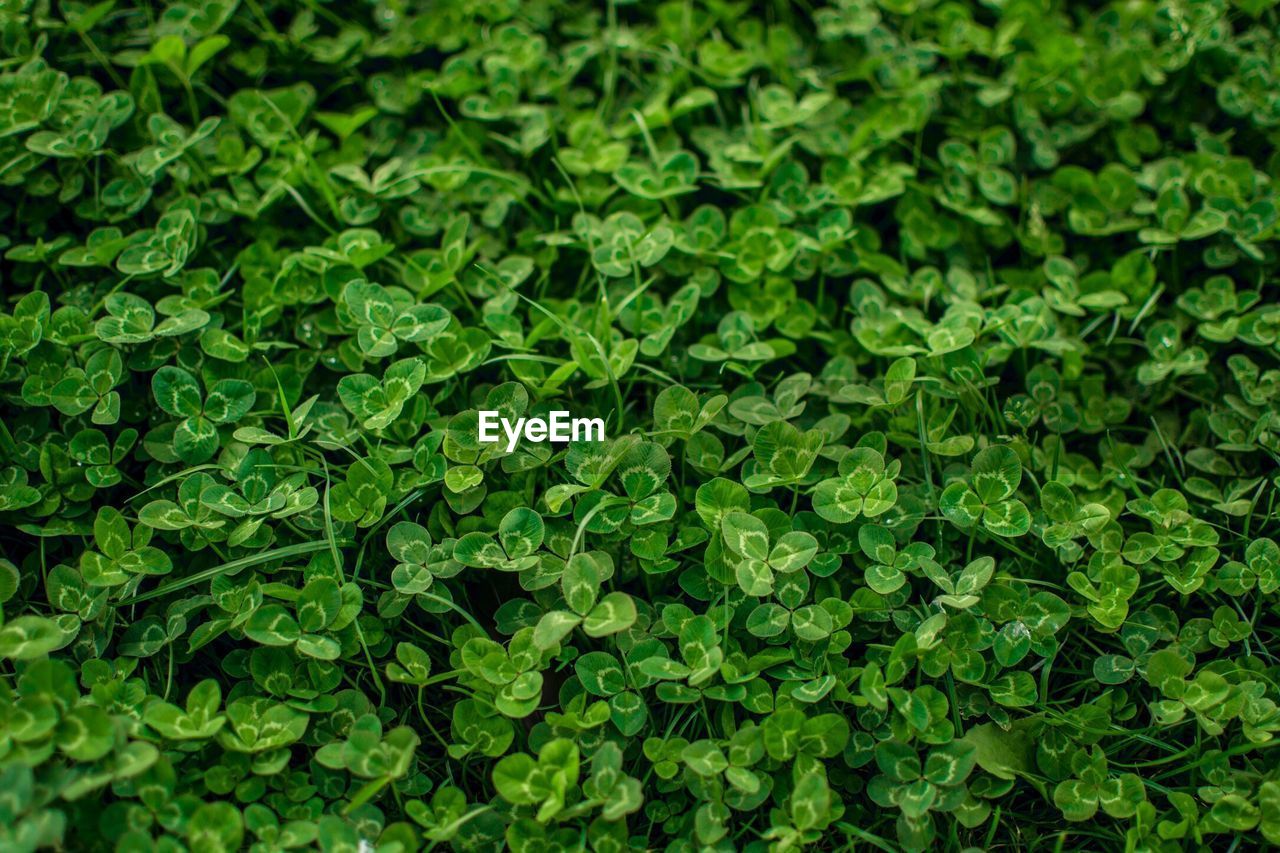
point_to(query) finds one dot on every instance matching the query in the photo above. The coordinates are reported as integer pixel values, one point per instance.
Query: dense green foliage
(942, 391)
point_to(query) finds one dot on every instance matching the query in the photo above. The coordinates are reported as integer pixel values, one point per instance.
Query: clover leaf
(864, 487)
(988, 496)
(195, 436)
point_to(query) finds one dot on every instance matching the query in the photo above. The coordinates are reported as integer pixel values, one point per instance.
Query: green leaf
(177, 392)
(614, 613)
(1003, 753)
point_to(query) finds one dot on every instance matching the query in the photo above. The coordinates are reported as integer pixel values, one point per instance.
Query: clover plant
(939, 369)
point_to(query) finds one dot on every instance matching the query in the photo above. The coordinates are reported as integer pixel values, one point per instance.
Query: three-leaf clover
(598, 615)
(419, 562)
(988, 496)
(386, 316)
(673, 174)
(916, 788)
(132, 320)
(1093, 787)
(321, 608)
(379, 402)
(747, 538)
(520, 535)
(362, 496)
(122, 553)
(195, 436)
(200, 720)
(370, 753)
(890, 564)
(546, 782)
(92, 387)
(864, 487)
(961, 591)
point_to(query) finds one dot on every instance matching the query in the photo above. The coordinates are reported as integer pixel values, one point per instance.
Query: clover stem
(422, 712)
(449, 604)
(366, 793)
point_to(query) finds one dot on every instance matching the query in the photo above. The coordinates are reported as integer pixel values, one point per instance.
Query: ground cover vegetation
(941, 380)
